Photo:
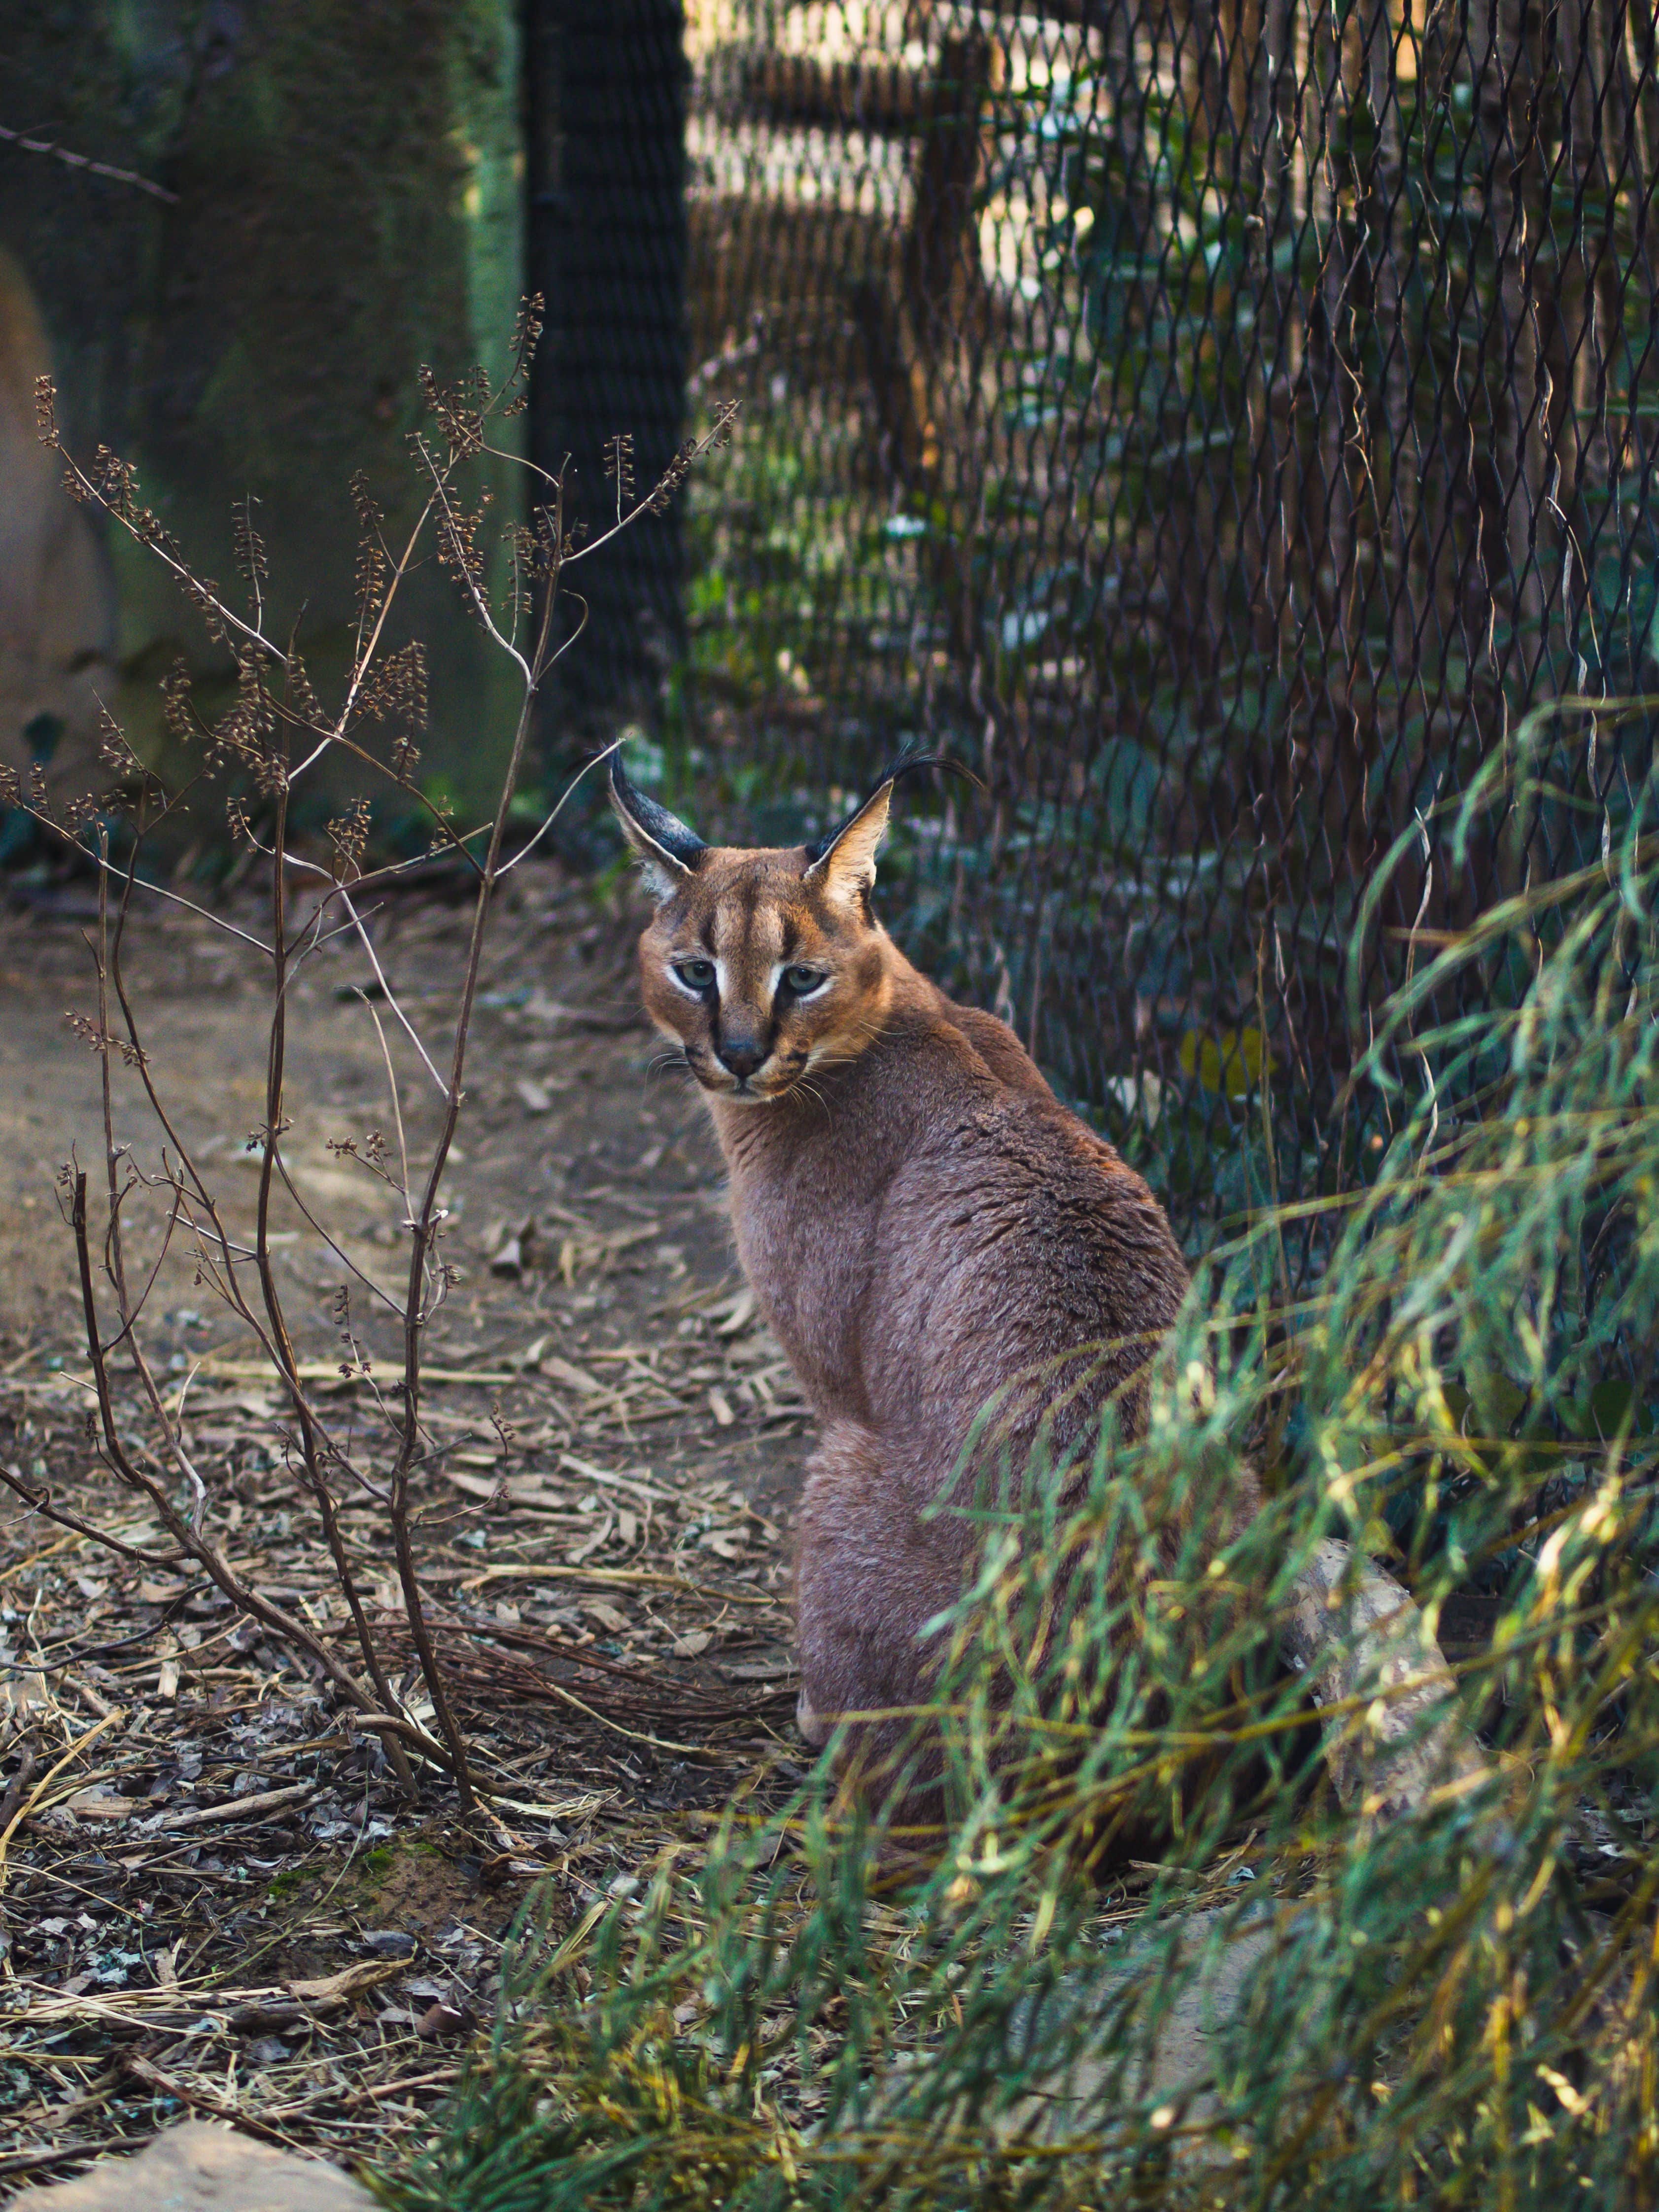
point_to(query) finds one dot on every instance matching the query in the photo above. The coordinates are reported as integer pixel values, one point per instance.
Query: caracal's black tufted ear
(844, 861)
(668, 852)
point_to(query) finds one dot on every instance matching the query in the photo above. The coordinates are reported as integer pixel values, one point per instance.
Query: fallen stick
(239, 1808)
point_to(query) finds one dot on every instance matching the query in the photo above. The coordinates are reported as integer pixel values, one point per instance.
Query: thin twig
(316, 1480)
(30, 145)
(267, 743)
(397, 1101)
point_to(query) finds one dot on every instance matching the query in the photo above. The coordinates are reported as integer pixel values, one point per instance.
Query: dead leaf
(330, 1988)
(720, 1406)
(582, 1551)
(98, 1803)
(23, 1697)
(689, 1646)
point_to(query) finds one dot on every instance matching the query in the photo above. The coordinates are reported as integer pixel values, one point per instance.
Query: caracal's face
(760, 965)
(759, 976)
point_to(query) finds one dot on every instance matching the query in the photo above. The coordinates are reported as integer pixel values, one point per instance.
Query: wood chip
(609, 1477)
(558, 1369)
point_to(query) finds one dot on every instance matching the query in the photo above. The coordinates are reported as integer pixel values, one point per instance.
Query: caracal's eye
(695, 975)
(803, 980)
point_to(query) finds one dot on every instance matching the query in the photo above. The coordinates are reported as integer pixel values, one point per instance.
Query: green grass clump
(1451, 2008)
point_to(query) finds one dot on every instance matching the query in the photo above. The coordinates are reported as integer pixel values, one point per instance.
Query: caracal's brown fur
(921, 1220)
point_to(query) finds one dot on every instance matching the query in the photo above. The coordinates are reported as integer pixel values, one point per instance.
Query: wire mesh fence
(1216, 422)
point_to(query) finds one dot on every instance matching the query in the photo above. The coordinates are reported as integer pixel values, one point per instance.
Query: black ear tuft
(656, 835)
(896, 773)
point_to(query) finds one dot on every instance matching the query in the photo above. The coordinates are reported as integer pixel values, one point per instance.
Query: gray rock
(198, 2167)
(1357, 1634)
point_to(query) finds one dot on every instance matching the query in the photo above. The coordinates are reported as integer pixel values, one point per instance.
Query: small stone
(199, 2168)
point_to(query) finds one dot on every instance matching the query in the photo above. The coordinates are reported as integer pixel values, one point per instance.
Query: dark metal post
(606, 94)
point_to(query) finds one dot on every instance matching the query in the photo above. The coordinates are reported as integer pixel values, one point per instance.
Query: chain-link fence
(1216, 422)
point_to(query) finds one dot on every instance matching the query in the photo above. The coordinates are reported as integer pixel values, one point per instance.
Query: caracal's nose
(740, 1056)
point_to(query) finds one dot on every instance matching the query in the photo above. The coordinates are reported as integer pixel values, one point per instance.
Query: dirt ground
(212, 1896)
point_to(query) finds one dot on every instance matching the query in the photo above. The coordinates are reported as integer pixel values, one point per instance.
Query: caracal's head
(760, 964)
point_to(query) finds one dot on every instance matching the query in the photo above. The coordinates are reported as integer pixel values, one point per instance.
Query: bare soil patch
(214, 1899)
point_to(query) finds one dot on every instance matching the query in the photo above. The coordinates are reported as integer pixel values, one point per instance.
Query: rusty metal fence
(1215, 423)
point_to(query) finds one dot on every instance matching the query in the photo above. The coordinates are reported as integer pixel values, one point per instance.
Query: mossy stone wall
(348, 191)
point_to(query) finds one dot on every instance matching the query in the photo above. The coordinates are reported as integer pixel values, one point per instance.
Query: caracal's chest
(806, 1224)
